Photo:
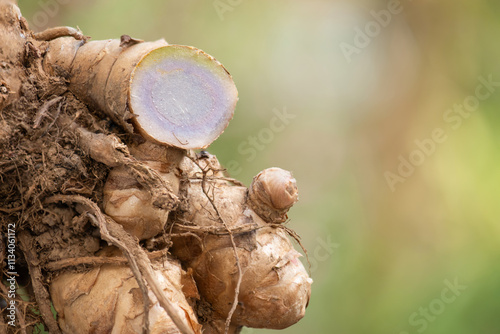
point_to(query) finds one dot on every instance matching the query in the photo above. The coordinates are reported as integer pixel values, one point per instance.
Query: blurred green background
(360, 90)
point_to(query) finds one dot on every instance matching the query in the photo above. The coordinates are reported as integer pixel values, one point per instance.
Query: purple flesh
(182, 97)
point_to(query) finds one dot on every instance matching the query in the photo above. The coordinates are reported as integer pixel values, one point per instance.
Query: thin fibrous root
(296, 237)
(93, 261)
(43, 110)
(219, 230)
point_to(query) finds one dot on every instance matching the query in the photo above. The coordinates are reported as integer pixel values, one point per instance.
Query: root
(94, 261)
(138, 260)
(41, 295)
(58, 112)
(131, 74)
(222, 178)
(42, 112)
(296, 237)
(219, 230)
(56, 32)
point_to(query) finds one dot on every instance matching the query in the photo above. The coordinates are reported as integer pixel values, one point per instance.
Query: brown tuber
(275, 288)
(272, 193)
(107, 299)
(172, 94)
(189, 250)
(129, 204)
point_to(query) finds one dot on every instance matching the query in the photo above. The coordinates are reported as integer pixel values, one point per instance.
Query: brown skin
(75, 59)
(133, 82)
(13, 34)
(63, 163)
(268, 298)
(113, 291)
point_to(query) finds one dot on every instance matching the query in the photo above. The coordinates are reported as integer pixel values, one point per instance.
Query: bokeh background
(382, 254)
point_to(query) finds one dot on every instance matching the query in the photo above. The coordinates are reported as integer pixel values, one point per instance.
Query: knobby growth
(110, 221)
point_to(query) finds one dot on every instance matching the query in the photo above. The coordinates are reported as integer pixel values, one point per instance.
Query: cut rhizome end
(181, 96)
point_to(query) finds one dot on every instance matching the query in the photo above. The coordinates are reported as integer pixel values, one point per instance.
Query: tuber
(274, 288)
(95, 201)
(107, 299)
(272, 192)
(172, 94)
(125, 198)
